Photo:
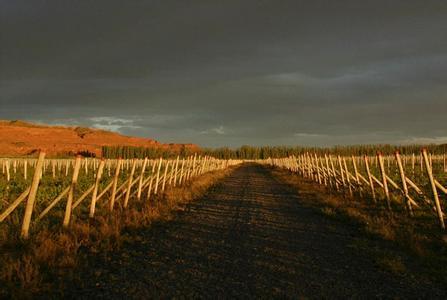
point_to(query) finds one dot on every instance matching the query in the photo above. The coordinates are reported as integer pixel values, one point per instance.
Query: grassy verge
(402, 245)
(42, 263)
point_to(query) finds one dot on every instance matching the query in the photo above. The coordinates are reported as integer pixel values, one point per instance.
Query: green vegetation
(263, 152)
(418, 237)
(82, 131)
(125, 152)
(251, 152)
(36, 266)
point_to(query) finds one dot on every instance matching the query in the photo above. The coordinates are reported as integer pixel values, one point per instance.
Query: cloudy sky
(230, 72)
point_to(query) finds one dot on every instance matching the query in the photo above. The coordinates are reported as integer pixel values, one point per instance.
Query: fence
(413, 182)
(74, 180)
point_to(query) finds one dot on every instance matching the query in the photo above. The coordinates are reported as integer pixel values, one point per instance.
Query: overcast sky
(230, 72)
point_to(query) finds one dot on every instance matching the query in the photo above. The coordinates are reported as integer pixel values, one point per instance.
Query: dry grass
(34, 266)
(420, 238)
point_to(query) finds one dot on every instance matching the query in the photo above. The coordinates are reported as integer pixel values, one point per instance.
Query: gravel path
(249, 237)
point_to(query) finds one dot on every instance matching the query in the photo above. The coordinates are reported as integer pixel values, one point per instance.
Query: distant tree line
(142, 152)
(263, 152)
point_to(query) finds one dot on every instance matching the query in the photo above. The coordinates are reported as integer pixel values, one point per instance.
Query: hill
(19, 138)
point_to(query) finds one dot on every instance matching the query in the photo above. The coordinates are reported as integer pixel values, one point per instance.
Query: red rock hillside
(18, 138)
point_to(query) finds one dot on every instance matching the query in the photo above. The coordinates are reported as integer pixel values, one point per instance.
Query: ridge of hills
(21, 138)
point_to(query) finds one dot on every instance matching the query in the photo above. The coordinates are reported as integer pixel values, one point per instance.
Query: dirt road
(250, 236)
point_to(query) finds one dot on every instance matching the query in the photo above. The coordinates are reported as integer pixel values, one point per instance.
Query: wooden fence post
(74, 181)
(86, 166)
(317, 168)
(348, 179)
(140, 183)
(115, 183)
(171, 176)
(433, 187)
(323, 171)
(8, 176)
(95, 190)
(356, 171)
(25, 168)
(151, 181)
(191, 175)
(168, 162)
(384, 180)
(371, 183)
(176, 170)
(180, 181)
(53, 169)
(421, 162)
(188, 169)
(404, 183)
(309, 166)
(158, 176)
(334, 173)
(328, 171)
(129, 184)
(413, 161)
(67, 165)
(32, 196)
(340, 165)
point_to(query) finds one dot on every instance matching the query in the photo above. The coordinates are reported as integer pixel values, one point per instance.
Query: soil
(18, 138)
(250, 236)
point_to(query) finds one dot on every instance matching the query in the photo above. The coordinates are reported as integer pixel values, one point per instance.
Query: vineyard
(412, 183)
(47, 192)
(55, 214)
(42, 193)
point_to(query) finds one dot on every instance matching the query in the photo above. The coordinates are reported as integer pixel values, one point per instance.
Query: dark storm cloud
(230, 72)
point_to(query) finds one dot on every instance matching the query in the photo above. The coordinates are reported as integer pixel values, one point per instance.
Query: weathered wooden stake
(193, 166)
(413, 161)
(404, 183)
(149, 190)
(115, 184)
(334, 173)
(32, 195)
(67, 165)
(8, 176)
(168, 163)
(158, 176)
(187, 169)
(180, 181)
(74, 181)
(384, 180)
(348, 179)
(176, 170)
(317, 168)
(356, 173)
(371, 183)
(340, 165)
(95, 190)
(140, 183)
(433, 187)
(328, 171)
(171, 176)
(129, 184)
